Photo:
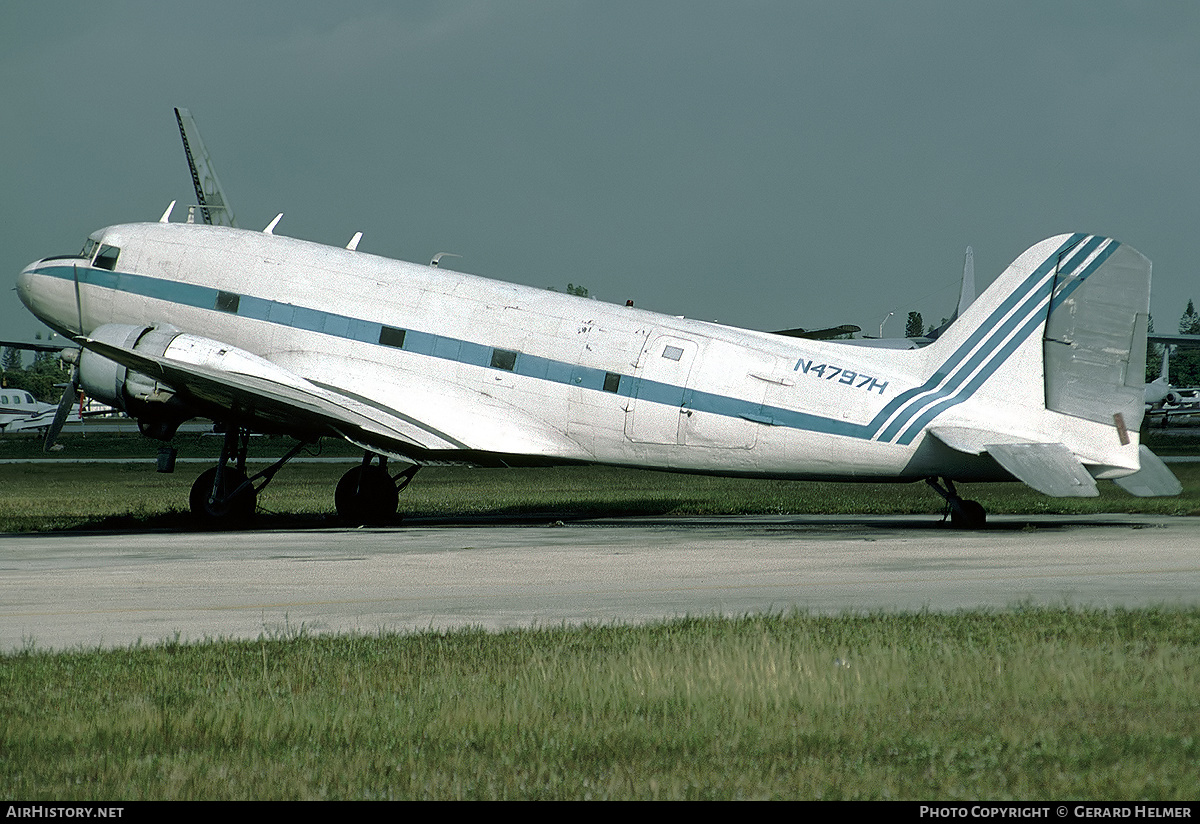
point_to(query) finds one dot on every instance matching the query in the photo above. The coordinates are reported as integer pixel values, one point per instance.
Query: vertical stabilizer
(966, 292)
(214, 206)
(1055, 354)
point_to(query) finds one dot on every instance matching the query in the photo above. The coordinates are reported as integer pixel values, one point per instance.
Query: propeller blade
(78, 302)
(69, 396)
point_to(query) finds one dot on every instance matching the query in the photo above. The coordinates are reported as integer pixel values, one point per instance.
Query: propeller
(71, 391)
(69, 396)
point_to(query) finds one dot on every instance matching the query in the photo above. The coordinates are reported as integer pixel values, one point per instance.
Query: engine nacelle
(155, 404)
(151, 402)
(101, 378)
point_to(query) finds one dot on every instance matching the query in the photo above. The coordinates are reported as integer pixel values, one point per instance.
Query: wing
(34, 345)
(819, 334)
(226, 383)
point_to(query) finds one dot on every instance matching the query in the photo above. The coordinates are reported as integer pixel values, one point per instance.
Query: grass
(1028, 704)
(49, 496)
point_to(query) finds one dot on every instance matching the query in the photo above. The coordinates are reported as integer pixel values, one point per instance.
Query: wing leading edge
(288, 400)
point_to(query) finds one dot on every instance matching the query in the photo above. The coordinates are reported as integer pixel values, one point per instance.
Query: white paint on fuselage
(494, 410)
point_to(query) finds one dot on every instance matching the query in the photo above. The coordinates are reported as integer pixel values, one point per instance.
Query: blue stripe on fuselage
(955, 380)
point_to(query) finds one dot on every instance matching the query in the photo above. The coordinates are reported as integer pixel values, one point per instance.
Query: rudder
(1094, 344)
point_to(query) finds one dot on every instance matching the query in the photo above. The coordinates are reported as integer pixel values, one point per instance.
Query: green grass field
(50, 496)
(1027, 704)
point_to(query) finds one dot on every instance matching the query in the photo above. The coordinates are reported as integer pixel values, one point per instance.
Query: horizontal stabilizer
(972, 440)
(1050, 468)
(1154, 479)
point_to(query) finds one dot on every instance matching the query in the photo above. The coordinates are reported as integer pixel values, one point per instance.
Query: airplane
(1159, 392)
(966, 296)
(211, 199)
(20, 412)
(1164, 401)
(1039, 380)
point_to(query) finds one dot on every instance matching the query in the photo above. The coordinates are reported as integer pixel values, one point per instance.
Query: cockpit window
(107, 258)
(89, 249)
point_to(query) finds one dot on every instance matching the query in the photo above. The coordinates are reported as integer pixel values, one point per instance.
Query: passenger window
(504, 359)
(390, 336)
(228, 302)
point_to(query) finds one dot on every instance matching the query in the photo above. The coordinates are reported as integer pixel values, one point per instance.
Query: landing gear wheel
(212, 504)
(963, 514)
(967, 515)
(366, 495)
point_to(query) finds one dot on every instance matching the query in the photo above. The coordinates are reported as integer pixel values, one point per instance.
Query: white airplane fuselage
(472, 366)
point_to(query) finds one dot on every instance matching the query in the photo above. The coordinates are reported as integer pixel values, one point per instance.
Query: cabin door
(662, 376)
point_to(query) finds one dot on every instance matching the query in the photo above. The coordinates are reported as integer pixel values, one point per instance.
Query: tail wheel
(210, 499)
(967, 515)
(366, 495)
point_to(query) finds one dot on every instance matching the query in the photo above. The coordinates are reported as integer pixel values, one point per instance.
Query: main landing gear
(963, 514)
(368, 493)
(225, 493)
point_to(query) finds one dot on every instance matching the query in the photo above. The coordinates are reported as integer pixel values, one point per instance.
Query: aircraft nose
(25, 283)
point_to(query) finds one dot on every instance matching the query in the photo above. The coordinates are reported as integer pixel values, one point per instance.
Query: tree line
(38, 379)
(1185, 363)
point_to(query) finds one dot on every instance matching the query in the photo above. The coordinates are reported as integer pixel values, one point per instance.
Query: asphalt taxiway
(65, 591)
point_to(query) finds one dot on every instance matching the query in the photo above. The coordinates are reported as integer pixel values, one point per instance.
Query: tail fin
(1063, 329)
(214, 206)
(966, 293)
(1054, 353)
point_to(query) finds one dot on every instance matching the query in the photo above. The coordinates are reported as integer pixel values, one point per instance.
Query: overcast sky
(764, 164)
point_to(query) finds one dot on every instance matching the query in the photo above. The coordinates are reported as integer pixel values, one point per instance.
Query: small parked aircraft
(20, 412)
(1040, 379)
(1166, 403)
